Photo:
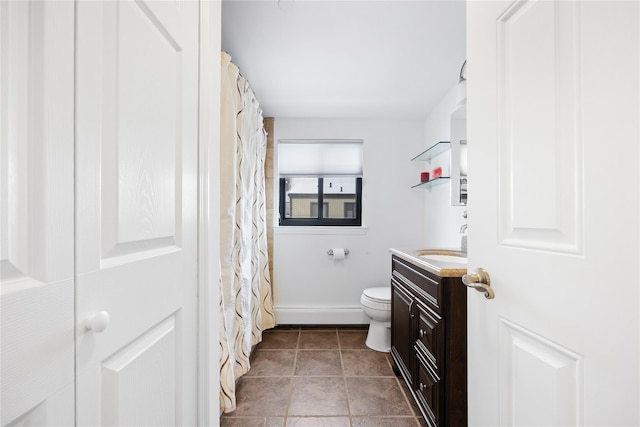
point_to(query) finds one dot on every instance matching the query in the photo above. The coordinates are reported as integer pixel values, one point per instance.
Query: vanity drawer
(429, 390)
(427, 286)
(430, 336)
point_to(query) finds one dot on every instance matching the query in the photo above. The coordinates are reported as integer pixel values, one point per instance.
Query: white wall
(441, 220)
(309, 286)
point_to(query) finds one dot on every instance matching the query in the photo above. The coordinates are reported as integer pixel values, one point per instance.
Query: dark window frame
(321, 221)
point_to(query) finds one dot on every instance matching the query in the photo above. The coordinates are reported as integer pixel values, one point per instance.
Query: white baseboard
(320, 316)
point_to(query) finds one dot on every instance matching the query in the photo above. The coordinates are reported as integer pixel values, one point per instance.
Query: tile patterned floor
(308, 377)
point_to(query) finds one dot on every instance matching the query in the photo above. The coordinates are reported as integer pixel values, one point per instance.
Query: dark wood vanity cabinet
(429, 341)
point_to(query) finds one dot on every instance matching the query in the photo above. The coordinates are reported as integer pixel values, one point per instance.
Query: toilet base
(379, 336)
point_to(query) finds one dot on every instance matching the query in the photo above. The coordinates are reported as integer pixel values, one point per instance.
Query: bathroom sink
(446, 258)
(441, 262)
(442, 256)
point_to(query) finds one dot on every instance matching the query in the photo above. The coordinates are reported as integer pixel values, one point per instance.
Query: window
(325, 173)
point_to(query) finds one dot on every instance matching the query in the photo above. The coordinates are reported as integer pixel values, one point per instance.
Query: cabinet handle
(411, 309)
(422, 333)
(422, 387)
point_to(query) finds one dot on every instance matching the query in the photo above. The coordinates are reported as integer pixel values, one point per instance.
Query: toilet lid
(378, 294)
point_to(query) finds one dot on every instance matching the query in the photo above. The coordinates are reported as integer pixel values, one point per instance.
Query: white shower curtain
(245, 287)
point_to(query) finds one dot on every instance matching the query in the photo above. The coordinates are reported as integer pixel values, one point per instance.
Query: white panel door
(36, 213)
(553, 212)
(136, 112)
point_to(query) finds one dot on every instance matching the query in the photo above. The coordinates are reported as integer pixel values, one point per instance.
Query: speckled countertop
(441, 268)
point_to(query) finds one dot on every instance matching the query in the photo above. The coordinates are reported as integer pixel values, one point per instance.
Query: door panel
(36, 213)
(540, 149)
(552, 100)
(552, 379)
(142, 149)
(148, 363)
(401, 339)
(136, 211)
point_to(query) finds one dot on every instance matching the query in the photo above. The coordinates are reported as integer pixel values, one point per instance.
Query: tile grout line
(344, 379)
(293, 375)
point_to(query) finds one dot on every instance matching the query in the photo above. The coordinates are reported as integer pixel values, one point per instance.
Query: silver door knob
(480, 281)
(98, 322)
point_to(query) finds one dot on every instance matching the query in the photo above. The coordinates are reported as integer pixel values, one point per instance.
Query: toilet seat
(376, 298)
(377, 295)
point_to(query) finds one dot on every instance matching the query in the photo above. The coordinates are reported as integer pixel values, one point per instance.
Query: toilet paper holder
(330, 251)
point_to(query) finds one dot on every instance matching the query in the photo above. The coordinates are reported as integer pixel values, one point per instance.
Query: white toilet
(376, 304)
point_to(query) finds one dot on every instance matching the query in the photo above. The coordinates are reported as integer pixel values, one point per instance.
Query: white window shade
(320, 157)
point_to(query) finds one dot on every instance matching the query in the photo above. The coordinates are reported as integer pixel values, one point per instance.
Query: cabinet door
(402, 326)
(430, 337)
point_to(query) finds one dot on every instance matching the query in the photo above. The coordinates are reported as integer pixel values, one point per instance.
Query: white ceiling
(346, 59)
